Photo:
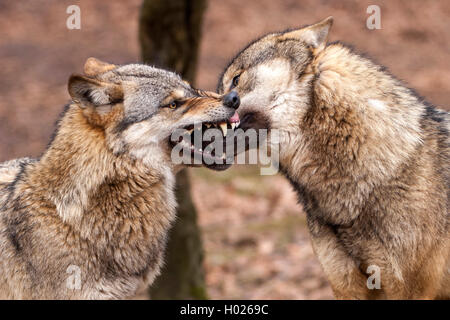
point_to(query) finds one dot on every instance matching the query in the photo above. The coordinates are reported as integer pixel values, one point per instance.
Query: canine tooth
(224, 128)
(233, 125)
(190, 131)
(208, 125)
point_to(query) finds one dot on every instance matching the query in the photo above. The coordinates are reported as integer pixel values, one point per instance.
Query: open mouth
(210, 152)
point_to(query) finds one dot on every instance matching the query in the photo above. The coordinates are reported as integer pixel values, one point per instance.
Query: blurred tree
(170, 32)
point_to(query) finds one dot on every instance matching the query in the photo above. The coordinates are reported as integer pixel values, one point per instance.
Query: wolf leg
(433, 278)
(444, 292)
(342, 270)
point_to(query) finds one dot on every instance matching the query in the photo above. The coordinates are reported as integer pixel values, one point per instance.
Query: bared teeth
(190, 131)
(223, 127)
(233, 125)
(208, 125)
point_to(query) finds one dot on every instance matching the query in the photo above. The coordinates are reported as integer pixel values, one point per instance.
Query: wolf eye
(173, 105)
(235, 81)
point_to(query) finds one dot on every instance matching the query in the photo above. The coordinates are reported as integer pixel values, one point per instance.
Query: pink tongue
(234, 118)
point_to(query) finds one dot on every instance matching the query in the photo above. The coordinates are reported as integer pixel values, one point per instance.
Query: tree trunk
(169, 33)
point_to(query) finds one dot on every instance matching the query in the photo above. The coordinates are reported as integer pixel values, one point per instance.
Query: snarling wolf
(89, 219)
(369, 159)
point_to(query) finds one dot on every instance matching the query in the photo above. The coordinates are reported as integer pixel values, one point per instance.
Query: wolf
(89, 218)
(368, 158)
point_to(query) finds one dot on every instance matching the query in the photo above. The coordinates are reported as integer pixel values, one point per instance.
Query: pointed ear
(93, 67)
(315, 35)
(92, 92)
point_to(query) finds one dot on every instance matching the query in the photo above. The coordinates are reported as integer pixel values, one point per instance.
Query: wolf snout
(232, 100)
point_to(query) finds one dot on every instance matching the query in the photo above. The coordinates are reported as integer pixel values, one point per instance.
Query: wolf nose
(232, 100)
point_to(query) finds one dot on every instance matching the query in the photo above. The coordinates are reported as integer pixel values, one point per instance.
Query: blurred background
(254, 243)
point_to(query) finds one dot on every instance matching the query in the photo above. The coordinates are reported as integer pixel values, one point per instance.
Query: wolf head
(138, 107)
(332, 107)
(274, 72)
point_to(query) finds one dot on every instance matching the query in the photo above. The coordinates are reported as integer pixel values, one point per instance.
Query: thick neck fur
(109, 213)
(78, 167)
(81, 205)
(361, 128)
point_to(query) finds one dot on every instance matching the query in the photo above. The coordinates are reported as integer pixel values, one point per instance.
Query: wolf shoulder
(9, 172)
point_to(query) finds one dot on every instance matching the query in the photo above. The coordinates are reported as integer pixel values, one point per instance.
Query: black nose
(232, 100)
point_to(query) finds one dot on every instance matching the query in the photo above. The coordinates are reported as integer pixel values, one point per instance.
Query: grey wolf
(100, 200)
(368, 158)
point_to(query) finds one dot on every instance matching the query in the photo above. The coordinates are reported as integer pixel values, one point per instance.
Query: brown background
(255, 238)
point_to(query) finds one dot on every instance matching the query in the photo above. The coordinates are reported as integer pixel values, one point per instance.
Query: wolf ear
(93, 67)
(91, 92)
(315, 35)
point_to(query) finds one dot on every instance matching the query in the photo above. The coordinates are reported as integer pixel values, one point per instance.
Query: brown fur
(101, 197)
(369, 160)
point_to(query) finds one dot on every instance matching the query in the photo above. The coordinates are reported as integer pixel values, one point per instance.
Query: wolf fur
(368, 158)
(89, 219)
